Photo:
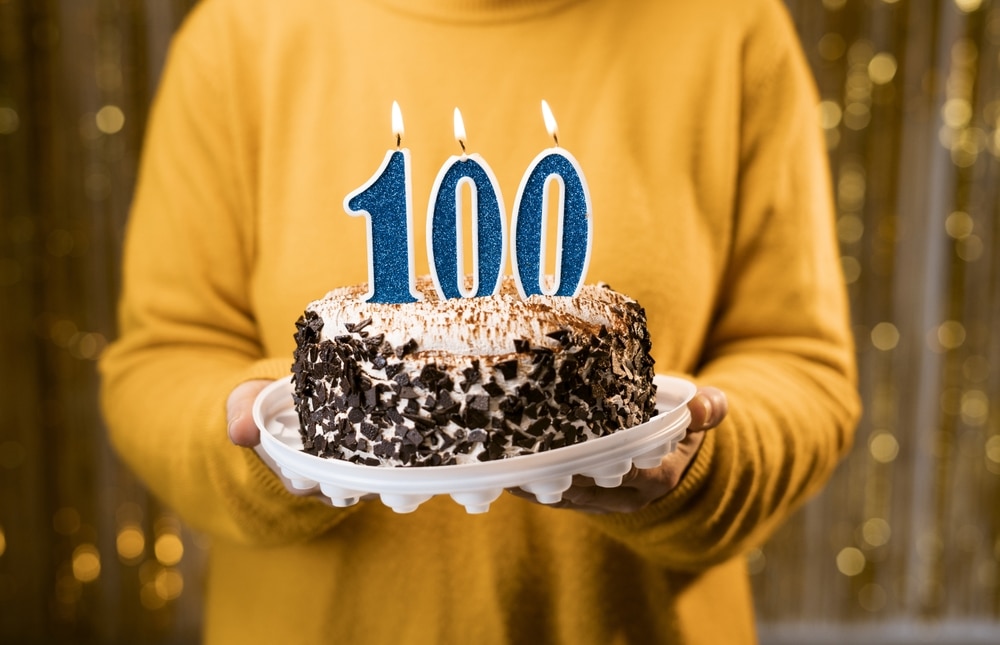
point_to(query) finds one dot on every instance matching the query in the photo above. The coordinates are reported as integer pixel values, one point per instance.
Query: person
(694, 124)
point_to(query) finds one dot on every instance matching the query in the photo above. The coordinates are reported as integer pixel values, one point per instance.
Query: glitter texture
(385, 202)
(575, 226)
(489, 229)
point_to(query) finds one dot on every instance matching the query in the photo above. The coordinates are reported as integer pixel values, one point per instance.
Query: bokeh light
(885, 336)
(169, 549)
(110, 119)
(851, 561)
(9, 120)
(131, 543)
(86, 563)
(884, 447)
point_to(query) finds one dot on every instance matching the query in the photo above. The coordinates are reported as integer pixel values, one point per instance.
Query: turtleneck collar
(475, 10)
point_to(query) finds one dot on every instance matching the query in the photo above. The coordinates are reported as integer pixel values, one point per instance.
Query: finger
(522, 494)
(564, 502)
(569, 501)
(599, 500)
(588, 497)
(579, 481)
(674, 465)
(708, 408)
(239, 420)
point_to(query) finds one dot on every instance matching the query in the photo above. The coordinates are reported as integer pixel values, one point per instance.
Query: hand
(641, 487)
(239, 419)
(244, 432)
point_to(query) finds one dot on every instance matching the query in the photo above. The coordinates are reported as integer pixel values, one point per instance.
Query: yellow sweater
(694, 123)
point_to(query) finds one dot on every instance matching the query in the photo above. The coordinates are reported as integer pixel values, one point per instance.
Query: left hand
(642, 486)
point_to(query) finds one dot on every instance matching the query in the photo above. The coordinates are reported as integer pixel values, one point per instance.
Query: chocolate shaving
(507, 368)
(407, 348)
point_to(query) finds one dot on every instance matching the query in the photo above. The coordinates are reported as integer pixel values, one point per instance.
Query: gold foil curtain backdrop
(85, 554)
(908, 529)
(908, 532)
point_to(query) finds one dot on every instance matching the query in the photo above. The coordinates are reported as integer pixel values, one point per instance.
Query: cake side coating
(455, 381)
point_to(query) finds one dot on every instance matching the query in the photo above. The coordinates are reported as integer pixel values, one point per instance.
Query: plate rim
(340, 472)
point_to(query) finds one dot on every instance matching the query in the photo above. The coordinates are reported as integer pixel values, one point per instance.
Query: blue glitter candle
(575, 229)
(444, 225)
(386, 203)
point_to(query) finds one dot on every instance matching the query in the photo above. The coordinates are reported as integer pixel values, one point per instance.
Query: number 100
(386, 203)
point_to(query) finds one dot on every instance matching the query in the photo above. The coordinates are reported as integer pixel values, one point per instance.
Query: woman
(694, 124)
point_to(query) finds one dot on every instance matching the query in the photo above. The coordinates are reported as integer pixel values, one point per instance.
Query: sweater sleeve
(780, 345)
(187, 333)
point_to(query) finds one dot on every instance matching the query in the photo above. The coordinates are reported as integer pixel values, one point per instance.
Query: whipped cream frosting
(482, 327)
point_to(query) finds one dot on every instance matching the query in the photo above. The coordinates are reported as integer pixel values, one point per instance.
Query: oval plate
(475, 486)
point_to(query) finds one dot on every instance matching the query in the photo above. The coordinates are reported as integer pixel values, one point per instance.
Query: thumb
(708, 408)
(239, 418)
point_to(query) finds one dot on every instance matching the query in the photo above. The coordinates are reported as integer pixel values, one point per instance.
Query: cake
(465, 380)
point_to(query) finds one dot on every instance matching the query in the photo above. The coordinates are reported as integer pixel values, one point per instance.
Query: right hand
(641, 487)
(239, 418)
(244, 432)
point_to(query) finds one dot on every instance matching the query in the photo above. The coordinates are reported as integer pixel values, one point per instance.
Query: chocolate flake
(357, 326)
(476, 418)
(560, 335)
(407, 348)
(507, 368)
(493, 389)
(479, 402)
(369, 430)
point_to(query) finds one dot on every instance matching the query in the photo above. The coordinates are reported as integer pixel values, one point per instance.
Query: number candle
(444, 225)
(575, 227)
(386, 204)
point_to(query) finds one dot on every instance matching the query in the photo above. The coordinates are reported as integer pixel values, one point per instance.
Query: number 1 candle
(386, 204)
(575, 228)
(444, 225)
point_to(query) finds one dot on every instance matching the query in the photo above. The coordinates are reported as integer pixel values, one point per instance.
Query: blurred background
(902, 547)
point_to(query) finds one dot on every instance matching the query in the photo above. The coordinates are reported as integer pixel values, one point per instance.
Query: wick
(399, 140)
(555, 137)
(462, 143)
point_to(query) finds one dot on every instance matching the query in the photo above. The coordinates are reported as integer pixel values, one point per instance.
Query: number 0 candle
(444, 225)
(386, 204)
(575, 227)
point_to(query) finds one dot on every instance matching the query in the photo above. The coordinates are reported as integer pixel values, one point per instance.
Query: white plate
(474, 486)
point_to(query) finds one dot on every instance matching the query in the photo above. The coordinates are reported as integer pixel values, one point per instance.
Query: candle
(575, 227)
(386, 203)
(444, 225)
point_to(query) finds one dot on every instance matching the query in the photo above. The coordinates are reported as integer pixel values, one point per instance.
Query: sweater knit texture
(695, 125)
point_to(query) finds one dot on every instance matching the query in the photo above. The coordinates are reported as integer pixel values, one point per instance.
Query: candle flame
(397, 123)
(459, 129)
(550, 121)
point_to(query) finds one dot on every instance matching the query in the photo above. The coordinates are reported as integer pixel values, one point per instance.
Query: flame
(459, 129)
(550, 121)
(397, 122)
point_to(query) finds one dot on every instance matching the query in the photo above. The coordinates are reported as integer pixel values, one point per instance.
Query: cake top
(475, 326)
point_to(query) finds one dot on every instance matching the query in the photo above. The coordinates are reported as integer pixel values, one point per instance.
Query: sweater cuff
(266, 368)
(258, 463)
(272, 505)
(629, 526)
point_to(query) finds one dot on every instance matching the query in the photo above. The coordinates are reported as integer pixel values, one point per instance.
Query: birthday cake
(461, 380)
